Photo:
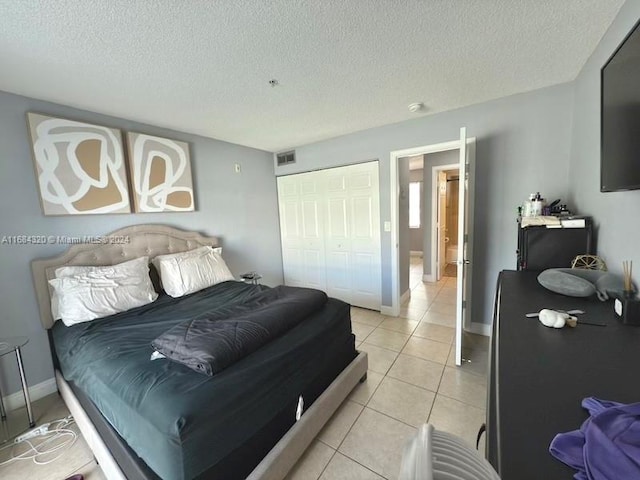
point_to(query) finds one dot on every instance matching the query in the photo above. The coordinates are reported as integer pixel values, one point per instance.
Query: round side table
(14, 344)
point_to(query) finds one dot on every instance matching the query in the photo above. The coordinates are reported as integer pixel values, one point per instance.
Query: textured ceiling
(204, 66)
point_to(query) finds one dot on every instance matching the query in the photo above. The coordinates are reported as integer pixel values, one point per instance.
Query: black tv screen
(620, 120)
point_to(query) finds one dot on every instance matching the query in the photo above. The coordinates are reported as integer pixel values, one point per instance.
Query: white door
(301, 230)
(334, 244)
(364, 221)
(338, 234)
(442, 223)
(465, 228)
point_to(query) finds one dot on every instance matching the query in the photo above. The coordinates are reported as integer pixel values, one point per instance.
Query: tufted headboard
(124, 244)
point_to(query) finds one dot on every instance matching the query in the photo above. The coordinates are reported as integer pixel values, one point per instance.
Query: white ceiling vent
(286, 158)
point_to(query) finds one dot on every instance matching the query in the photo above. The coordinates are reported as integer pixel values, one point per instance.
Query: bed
(146, 420)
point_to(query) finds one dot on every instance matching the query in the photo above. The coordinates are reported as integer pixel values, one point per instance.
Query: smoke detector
(416, 107)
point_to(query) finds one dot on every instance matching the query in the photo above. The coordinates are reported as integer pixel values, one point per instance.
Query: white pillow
(86, 293)
(187, 272)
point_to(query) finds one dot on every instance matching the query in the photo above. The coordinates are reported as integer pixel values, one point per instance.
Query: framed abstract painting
(160, 171)
(80, 167)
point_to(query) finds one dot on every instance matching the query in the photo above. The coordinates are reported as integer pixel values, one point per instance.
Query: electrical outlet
(237, 167)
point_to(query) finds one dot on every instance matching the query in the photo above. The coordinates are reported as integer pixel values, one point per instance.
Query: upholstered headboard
(116, 247)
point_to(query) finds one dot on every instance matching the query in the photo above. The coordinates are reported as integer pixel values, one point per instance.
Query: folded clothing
(214, 340)
(607, 445)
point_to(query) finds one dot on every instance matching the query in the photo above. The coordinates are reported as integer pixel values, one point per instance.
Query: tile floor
(412, 379)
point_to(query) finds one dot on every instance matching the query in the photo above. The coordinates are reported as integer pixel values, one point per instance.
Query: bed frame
(152, 240)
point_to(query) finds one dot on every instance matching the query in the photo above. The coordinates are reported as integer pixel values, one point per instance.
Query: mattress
(186, 425)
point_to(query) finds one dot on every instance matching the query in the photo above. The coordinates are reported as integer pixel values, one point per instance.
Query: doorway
(445, 198)
(464, 150)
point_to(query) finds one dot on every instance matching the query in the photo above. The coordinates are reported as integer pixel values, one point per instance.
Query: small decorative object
(627, 271)
(555, 319)
(160, 174)
(577, 282)
(627, 305)
(79, 167)
(589, 262)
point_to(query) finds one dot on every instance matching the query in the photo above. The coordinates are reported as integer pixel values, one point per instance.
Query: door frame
(433, 275)
(394, 190)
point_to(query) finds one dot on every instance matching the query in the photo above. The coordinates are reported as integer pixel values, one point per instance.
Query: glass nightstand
(7, 346)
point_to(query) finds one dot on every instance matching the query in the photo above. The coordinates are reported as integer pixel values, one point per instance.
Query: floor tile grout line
(354, 422)
(392, 418)
(411, 384)
(437, 393)
(461, 401)
(362, 465)
(330, 458)
(422, 358)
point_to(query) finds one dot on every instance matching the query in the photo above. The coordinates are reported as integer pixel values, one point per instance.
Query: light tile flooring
(412, 379)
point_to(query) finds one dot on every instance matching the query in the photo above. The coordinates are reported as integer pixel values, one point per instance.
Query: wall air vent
(286, 158)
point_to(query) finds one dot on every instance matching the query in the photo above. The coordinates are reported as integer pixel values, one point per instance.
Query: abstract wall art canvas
(80, 168)
(160, 172)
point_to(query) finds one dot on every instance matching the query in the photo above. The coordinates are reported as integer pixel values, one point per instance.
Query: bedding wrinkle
(213, 341)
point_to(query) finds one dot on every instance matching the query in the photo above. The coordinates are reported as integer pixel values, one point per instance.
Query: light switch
(237, 167)
(387, 226)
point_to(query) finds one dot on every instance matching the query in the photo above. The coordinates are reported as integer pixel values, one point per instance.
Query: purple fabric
(607, 446)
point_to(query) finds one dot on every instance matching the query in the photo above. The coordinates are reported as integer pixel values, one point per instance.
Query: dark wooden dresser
(538, 376)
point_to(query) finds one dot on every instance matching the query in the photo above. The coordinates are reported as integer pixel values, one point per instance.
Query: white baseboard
(480, 329)
(415, 253)
(428, 278)
(36, 392)
(405, 296)
(389, 311)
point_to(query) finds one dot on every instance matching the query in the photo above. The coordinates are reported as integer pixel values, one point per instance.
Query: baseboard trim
(480, 329)
(405, 296)
(389, 311)
(36, 392)
(428, 278)
(415, 253)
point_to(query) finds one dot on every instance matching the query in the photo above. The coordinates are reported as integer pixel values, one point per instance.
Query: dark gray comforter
(214, 340)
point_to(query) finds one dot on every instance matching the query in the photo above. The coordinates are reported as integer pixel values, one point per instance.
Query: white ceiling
(203, 66)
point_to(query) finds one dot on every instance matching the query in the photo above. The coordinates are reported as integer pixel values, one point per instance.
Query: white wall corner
(405, 296)
(389, 311)
(36, 392)
(428, 278)
(480, 329)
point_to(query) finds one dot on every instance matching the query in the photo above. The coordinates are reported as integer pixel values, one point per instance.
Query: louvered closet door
(302, 236)
(330, 230)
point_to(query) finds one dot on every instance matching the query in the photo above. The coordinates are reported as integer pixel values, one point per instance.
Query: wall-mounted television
(620, 117)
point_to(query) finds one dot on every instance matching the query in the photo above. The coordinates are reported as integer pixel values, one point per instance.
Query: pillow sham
(82, 294)
(188, 272)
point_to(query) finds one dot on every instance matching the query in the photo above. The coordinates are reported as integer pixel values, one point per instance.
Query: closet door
(352, 234)
(301, 229)
(330, 230)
